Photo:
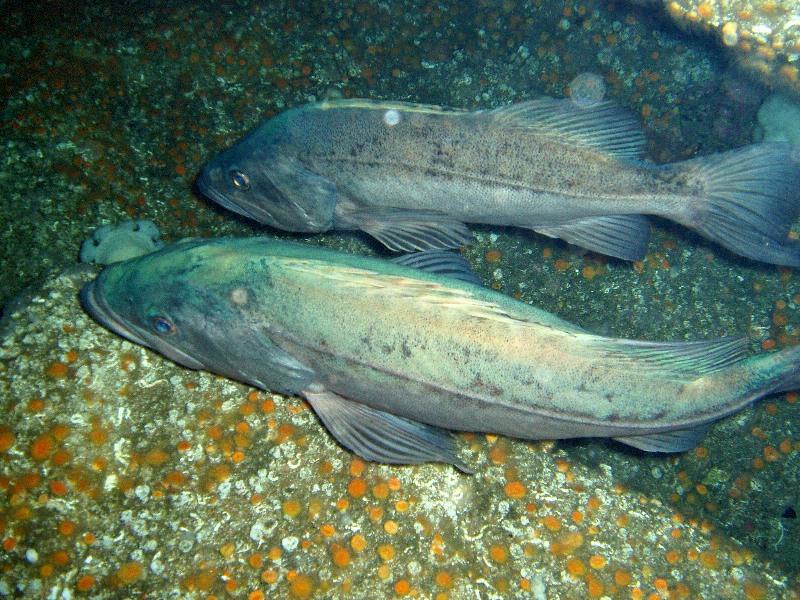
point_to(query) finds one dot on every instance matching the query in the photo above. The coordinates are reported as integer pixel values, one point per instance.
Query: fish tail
(746, 380)
(785, 369)
(763, 374)
(747, 201)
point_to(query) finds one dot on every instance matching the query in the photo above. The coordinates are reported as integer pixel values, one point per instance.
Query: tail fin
(747, 380)
(752, 196)
(773, 372)
(791, 378)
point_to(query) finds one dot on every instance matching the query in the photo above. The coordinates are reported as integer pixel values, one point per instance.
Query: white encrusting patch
(391, 117)
(239, 296)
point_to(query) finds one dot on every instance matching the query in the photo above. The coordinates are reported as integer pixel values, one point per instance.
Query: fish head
(262, 177)
(193, 303)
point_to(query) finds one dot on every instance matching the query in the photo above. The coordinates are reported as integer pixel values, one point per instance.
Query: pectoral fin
(621, 236)
(407, 231)
(380, 436)
(669, 441)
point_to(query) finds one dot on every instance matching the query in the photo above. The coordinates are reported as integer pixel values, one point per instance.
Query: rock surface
(762, 35)
(123, 474)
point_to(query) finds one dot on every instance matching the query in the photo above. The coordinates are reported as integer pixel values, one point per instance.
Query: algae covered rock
(763, 36)
(124, 475)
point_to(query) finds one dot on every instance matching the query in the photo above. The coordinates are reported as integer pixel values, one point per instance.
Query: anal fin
(621, 236)
(679, 440)
(379, 436)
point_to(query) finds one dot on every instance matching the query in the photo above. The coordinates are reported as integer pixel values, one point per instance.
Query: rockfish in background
(412, 175)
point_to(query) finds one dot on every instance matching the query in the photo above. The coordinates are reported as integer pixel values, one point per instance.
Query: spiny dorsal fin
(422, 291)
(604, 126)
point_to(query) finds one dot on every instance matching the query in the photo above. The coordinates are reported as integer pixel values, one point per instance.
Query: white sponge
(778, 120)
(115, 243)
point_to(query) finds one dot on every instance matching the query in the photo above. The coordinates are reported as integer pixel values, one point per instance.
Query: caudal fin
(751, 197)
(747, 380)
(789, 380)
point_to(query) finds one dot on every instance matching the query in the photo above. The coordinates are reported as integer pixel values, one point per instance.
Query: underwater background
(123, 475)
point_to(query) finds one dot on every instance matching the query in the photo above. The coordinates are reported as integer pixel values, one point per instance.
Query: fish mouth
(94, 302)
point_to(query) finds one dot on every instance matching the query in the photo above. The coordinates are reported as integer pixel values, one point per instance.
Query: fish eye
(162, 325)
(240, 180)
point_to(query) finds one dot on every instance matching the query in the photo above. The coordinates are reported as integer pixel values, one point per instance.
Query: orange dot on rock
(498, 553)
(515, 490)
(57, 370)
(58, 488)
(301, 587)
(66, 527)
(357, 487)
(575, 567)
(42, 447)
(85, 583)
(493, 256)
(340, 556)
(7, 439)
(129, 572)
(156, 457)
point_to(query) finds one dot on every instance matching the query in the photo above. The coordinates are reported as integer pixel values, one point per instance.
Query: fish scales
(471, 349)
(460, 164)
(412, 176)
(382, 350)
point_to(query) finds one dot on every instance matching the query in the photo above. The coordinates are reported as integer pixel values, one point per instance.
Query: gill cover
(303, 200)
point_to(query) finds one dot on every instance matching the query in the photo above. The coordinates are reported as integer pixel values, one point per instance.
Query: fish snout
(208, 181)
(94, 303)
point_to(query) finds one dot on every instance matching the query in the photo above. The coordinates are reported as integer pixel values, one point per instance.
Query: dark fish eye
(162, 325)
(240, 180)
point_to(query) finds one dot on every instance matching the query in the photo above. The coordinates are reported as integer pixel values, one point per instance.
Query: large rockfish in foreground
(412, 175)
(390, 357)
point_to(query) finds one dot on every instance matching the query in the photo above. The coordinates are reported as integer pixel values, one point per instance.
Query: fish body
(392, 357)
(412, 175)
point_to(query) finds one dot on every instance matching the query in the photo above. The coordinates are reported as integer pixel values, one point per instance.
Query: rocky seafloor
(123, 475)
(762, 36)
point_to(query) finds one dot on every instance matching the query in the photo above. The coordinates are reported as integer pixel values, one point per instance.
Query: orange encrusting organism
(7, 439)
(340, 556)
(42, 447)
(129, 572)
(515, 489)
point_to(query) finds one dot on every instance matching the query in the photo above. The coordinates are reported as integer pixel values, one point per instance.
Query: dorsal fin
(603, 126)
(462, 301)
(440, 262)
(686, 360)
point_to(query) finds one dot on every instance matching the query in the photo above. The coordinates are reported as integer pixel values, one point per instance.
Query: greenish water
(109, 112)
